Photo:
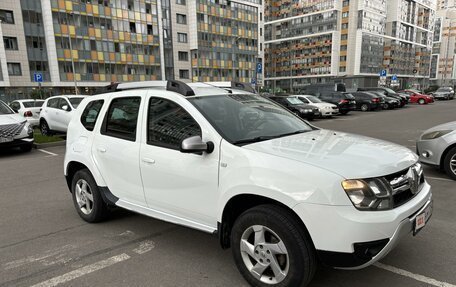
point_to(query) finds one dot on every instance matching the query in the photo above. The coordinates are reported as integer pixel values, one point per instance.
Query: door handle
(101, 149)
(148, 161)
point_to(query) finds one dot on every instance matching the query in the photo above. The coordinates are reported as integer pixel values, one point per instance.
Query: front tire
(364, 107)
(449, 163)
(87, 198)
(270, 248)
(421, 101)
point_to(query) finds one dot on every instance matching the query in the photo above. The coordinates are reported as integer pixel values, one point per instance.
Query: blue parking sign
(383, 73)
(259, 68)
(38, 77)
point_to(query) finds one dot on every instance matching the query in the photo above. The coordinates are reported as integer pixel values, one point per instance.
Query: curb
(45, 145)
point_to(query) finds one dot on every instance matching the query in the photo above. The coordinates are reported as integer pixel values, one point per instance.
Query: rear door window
(53, 103)
(90, 115)
(122, 118)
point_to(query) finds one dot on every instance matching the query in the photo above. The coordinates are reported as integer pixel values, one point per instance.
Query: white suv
(281, 193)
(56, 113)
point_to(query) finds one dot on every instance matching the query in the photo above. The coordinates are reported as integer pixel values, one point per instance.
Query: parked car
(418, 98)
(325, 109)
(367, 101)
(15, 131)
(444, 93)
(345, 102)
(387, 92)
(30, 109)
(56, 113)
(437, 147)
(389, 103)
(296, 106)
(272, 187)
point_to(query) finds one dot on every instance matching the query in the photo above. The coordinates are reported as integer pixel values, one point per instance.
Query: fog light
(425, 154)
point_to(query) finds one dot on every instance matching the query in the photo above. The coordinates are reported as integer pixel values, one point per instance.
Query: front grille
(12, 130)
(334, 108)
(406, 184)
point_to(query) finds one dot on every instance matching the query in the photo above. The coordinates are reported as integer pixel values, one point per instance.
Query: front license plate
(6, 140)
(422, 218)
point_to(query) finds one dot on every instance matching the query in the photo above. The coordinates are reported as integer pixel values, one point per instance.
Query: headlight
(29, 129)
(435, 134)
(306, 111)
(369, 194)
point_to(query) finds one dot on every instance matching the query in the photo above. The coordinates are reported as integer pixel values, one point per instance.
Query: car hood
(11, 119)
(441, 93)
(446, 126)
(348, 155)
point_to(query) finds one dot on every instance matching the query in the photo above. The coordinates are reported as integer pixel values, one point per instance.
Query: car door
(181, 187)
(49, 112)
(116, 147)
(63, 115)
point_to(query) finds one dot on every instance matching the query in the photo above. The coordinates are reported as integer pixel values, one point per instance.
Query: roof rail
(180, 88)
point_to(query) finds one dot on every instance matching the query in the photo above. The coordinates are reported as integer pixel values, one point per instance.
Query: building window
(344, 37)
(342, 69)
(148, 8)
(6, 16)
(184, 74)
(345, 3)
(182, 37)
(181, 18)
(14, 69)
(10, 43)
(183, 56)
(345, 15)
(344, 26)
(131, 5)
(132, 27)
(343, 48)
(343, 58)
(181, 2)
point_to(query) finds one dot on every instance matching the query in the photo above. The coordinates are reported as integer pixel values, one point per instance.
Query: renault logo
(413, 180)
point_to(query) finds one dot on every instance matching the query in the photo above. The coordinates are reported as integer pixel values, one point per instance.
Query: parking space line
(440, 178)
(417, 277)
(83, 271)
(47, 152)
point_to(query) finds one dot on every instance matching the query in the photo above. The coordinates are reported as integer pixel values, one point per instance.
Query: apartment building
(349, 41)
(86, 44)
(443, 69)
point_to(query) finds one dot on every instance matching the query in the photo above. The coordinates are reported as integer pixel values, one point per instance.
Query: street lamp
(72, 59)
(451, 15)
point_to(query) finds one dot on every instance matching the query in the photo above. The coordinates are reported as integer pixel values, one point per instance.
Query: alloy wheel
(44, 129)
(264, 254)
(453, 164)
(84, 196)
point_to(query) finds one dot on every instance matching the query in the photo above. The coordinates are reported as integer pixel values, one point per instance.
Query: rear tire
(449, 163)
(87, 198)
(268, 240)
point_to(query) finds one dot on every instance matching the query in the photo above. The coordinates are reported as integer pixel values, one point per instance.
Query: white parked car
(282, 194)
(56, 113)
(326, 109)
(15, 131)
(30, 109)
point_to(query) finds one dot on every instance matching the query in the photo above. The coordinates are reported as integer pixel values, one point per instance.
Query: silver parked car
(437, 146)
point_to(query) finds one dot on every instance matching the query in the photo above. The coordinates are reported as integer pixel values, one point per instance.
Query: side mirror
(66, 108)
(196, 145)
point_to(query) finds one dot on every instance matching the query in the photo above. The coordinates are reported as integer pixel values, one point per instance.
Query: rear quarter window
(90, 114)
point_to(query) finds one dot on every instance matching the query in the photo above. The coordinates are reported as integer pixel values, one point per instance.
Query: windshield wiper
(265, 138)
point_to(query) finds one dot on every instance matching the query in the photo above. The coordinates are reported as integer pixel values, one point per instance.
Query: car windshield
(75, 102)
(33, 104)
(243, 119)
(294, 101)
(313, 99)
(4, 109)
(390, 91)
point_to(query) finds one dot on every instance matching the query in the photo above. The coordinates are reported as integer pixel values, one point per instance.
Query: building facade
(348, 40)
(81, 45)
(443, 70)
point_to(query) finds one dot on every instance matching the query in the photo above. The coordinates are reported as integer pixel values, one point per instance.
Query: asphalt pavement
(43, 242)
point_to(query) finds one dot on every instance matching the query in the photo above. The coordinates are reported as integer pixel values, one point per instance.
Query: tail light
(375, 100)
(28, 114)
(344, 102)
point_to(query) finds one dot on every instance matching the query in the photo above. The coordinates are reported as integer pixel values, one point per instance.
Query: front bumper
(379, 231)
(329, 112)
(17, 143)
(430, 151)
